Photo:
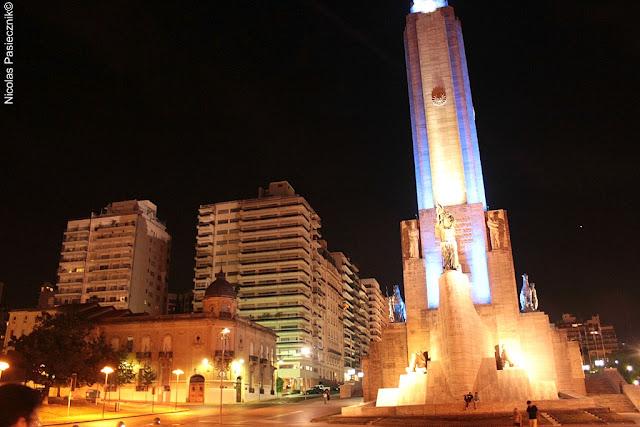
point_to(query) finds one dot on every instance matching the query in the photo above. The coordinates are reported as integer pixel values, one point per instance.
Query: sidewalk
(81, 412)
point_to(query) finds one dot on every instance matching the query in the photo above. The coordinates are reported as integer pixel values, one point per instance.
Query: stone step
(615, 402)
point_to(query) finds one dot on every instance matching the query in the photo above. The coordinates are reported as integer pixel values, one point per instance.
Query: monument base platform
(369, 409)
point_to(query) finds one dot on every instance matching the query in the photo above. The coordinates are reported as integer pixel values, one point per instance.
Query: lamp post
(3, 367)
(177, 373)
(223, 336)
(306, 352)
(279, 362)
(106, 371)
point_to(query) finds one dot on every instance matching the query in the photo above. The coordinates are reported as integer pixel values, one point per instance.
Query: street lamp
(106, 371)
(3, 367)
(306, 352)
(177, 373)
(279, 362)
(223, 336)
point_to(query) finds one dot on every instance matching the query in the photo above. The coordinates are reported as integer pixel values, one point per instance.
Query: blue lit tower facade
(445, 143)
(466, 312)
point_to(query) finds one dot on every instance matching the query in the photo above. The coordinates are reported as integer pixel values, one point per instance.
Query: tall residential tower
(119, 257)
(270, 248)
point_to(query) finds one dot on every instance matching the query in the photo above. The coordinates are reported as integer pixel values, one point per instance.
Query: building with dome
(202, 345)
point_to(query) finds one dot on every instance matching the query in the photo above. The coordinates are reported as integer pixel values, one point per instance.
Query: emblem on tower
(439, 96)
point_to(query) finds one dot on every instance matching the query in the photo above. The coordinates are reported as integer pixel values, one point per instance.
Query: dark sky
(190, 102)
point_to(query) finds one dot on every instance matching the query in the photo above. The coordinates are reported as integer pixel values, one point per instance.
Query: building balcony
(143, 355)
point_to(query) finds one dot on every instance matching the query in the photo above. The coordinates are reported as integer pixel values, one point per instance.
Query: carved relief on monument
(528, 295)
(497, 225)
(439, 96)
(410, 239)
(446, 232)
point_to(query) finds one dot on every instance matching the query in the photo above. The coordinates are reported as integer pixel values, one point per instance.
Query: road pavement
(292, 414)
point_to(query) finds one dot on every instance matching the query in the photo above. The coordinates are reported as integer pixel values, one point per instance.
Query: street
(291, 414)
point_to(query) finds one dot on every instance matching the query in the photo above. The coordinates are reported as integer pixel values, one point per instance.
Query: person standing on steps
(532, 411)
(517, 418)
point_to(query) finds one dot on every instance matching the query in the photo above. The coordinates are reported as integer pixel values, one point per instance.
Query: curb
(112, 418)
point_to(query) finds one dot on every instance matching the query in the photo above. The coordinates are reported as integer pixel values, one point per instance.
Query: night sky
(185, 103)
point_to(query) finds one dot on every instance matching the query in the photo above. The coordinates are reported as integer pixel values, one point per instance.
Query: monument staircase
(615, 402)
(605, 389)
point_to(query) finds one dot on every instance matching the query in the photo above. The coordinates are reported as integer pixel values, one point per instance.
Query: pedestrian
(325, 396)
(467, 400)
(532, 411)
(517, 418)
(476, 400)
(19, 406)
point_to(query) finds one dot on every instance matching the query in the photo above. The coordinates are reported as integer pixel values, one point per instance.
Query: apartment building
(376, 308)
(270, 248)
(597, 341)
(119, 257)
(355, 311)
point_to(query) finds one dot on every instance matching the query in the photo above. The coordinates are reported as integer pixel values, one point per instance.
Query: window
(146, 344)
(130, 344)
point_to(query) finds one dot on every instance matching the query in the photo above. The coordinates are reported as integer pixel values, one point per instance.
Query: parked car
(318, 389)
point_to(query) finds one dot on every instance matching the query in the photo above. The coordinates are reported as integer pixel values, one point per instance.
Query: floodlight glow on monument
(464, 328)
(427, 6)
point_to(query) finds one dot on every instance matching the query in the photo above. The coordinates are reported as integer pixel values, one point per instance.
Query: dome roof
(220, 287)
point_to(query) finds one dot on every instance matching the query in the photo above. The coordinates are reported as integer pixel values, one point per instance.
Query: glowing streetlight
(629, 368)
(106, 371)
(223, 336)
(306, 352)
(3, 367)
(360, 375)
(278, 363)
(177, 373)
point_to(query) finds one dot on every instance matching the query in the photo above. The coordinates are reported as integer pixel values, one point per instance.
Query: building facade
(356, 315)
(597, 341)
(215, 349)
(270, 247)
(377, 308)
(119, 257)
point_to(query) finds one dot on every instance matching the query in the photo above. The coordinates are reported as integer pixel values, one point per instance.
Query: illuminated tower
(462, 312)
(447, 159)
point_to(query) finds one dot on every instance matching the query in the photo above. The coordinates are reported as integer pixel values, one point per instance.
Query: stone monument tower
(459, 279)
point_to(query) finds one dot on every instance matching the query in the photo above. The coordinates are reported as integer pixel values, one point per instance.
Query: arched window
(145, 344)
(166, 343)
(115, 343)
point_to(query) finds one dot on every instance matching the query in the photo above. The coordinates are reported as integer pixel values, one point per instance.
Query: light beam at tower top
(427, 6)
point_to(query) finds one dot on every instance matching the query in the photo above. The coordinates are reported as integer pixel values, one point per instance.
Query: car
(317, 389)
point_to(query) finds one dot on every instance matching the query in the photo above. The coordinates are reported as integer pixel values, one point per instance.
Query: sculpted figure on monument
(397, 309)
(446, 232)
(418, 362)
(413, 235)
(495, 223)
(528, 295)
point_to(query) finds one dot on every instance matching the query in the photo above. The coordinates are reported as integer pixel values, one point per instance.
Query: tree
(61, 345)
(125, 373)
(146, 377)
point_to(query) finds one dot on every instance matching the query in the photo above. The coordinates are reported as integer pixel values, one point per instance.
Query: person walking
(517, 418)
(476, 400)
(19, 406)
(532, 412)
(468, 398)
(325, 396)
